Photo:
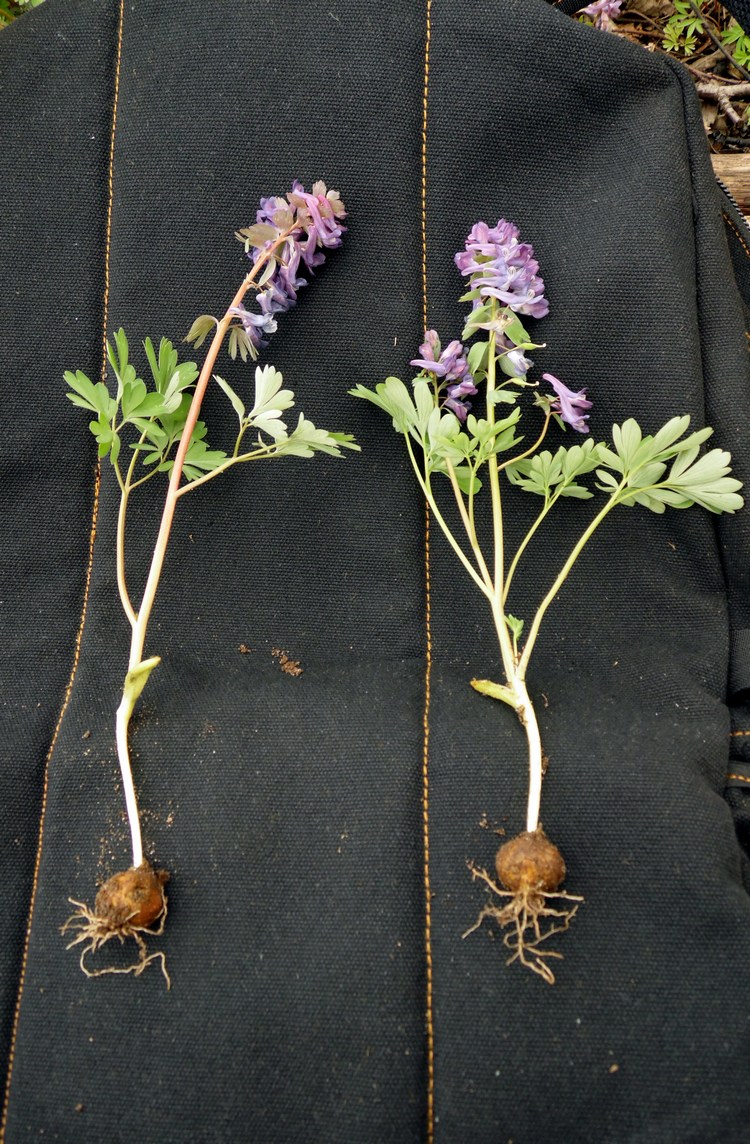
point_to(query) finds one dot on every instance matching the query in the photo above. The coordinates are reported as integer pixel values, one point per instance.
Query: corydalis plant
(449, 444)
(147, 428)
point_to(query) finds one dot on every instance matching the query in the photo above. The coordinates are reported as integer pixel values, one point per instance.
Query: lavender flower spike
(304, 223)
(501, 267)
(570, 406)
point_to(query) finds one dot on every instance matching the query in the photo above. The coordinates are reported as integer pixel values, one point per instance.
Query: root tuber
(127, 905)
(530, 861)
(531, 868)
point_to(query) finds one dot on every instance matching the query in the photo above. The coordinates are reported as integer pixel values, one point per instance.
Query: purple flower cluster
(451, 368)
(502, 267)
(570, 406)
(602, 12)
(306, 224)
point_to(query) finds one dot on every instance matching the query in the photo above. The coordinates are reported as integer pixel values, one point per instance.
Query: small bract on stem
(445, 439)
(289, 233)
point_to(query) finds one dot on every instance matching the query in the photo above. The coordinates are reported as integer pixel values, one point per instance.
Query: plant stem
(136, 664)
(520, 700)
(534, 630)
(503, 635)
(126, 486)
(469, 526)
(524, 544)
(122, 721)
(238, 442)
(532, 448)
(497, 509)
(263, 452)
(121, 583)
(539, 519)
(527, 718)
(425, 486)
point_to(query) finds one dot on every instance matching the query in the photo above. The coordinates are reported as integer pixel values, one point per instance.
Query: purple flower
(317, 218)
(273, 211)
(603, 12)
(455, 393)
(449, 364)
(570, 406)
(254, 325)
(513, 361)
(501, 267)
(274, 299)
(280, 292)
(305, 223)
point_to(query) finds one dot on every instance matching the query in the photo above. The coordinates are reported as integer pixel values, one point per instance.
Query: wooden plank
(734, 170)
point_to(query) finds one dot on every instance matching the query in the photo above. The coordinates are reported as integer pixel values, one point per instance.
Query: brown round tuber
(133, 897)
(530, 862)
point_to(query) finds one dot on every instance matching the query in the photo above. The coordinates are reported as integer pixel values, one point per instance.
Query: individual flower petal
(516, 364)
(464, 388)
(460, 408)
(273, 299)
(456, 395)
(513, 361)
(570, 406)
(429, 350)
(254, 325)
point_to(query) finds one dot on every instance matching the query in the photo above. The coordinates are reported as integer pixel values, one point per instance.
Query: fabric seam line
(429, 1024)
(84, 608)
(730, 222)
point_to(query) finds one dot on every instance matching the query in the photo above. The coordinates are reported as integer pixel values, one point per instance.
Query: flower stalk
(137, 668)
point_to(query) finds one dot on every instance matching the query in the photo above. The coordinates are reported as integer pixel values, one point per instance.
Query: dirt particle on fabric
(288, 665)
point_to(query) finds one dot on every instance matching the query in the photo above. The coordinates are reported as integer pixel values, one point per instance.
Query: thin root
(524, 913)
(96, 932)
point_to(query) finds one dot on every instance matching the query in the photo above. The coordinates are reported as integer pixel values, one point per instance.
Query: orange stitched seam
(429, 1025)
(43, 811)
(736, 734)
(79, 633)
(731, 222)
(740, 778)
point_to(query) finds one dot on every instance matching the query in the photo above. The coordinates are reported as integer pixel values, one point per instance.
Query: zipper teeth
(735, 204)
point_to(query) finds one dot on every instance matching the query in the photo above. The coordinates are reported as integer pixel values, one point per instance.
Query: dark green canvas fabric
(290, 810)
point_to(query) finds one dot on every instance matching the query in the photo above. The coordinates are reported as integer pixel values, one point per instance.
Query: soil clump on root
(531, 869)
(129, 904)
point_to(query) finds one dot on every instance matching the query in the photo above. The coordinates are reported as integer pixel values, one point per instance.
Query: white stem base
(527, 717)
(124, 712)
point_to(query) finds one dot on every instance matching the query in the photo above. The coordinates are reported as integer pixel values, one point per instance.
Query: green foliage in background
(688, 23)
(10, 9)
